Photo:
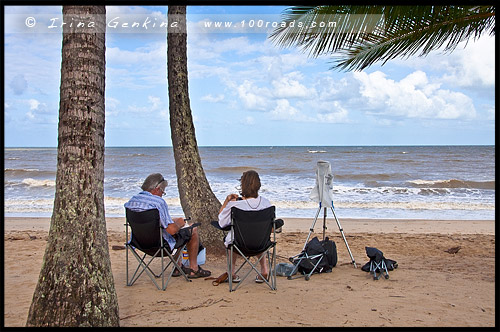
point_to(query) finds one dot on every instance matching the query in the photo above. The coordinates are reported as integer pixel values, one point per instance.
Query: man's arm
(174, 227)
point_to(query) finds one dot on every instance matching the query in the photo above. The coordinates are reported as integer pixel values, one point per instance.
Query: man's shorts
(182, 237)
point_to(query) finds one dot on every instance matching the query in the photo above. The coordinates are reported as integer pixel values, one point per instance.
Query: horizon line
(256, 146)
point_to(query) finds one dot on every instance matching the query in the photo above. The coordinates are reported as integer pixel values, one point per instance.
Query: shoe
(259, 280)
(201, 273)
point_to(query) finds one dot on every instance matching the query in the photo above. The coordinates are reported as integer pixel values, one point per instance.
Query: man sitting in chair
(249, 200)
(151, 198)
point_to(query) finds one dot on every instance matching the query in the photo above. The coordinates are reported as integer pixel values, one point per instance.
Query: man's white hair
(153, 181)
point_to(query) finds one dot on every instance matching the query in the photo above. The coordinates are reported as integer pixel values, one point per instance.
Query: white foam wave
(21, 170)
(39, 183)
(412, 205)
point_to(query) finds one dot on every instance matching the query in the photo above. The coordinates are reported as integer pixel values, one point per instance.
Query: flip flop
(236, 279)
(259, 280)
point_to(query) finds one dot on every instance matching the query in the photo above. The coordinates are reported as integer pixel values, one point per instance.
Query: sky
(244, 90)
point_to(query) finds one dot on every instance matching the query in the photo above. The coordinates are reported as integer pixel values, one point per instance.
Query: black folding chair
(377, 263)
(147, 237)
(251, 236)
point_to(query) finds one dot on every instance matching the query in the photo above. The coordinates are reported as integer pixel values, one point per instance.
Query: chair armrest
(215, 223)
(196, 224)
(278, 223)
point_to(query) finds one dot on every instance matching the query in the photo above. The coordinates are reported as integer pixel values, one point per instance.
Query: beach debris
(453, 250)
(32, 237)
(116, 247)
(206, 303)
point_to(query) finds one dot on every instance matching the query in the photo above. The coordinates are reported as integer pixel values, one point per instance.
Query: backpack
(326, 247)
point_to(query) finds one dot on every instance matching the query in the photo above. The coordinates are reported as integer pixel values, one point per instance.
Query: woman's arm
(225, 211)
(230, 197)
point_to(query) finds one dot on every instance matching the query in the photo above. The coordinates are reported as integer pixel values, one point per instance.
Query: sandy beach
(431, 287)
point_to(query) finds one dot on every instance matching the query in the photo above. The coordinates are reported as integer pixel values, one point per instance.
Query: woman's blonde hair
(250, 184)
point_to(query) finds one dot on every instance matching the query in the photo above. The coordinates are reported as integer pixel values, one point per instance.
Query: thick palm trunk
(196, 196)
(75, 286)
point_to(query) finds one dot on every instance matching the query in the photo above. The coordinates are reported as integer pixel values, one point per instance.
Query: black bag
(327, 248)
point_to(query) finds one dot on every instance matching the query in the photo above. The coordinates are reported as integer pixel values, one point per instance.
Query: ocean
(389, 182)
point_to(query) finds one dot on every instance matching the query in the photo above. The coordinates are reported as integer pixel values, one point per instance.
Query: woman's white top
(251, 204)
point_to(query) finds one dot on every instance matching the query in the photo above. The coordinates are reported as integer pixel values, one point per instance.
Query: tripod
(324, 229)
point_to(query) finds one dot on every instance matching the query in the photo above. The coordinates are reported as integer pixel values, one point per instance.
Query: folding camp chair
(251, 236)
(147, 237)
(377, 263)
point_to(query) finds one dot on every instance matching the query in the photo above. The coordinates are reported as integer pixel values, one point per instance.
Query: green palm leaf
(364, 35)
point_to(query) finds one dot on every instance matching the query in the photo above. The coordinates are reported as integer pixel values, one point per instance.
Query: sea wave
(453, 183)
(412, 205)
(38, 183)
(114, 206)
(316, 151)
(368, 177)
(233, 169)
(12, 172)
(398, 160)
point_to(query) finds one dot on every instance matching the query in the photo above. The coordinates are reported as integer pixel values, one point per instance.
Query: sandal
(197, 274)
(177, 272)
(259, 280)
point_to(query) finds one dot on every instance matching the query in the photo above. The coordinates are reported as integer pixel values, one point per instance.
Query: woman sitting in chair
(249, 200)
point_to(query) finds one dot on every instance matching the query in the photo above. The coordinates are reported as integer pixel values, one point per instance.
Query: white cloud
(474, 64)
(332, 112)
(337, 117)
(33, 104)
(253, 97)
(284, 111)
(155, 102)
(213, 99)
(112, 106)
(289, 86)
(469, 65)
(412, 97)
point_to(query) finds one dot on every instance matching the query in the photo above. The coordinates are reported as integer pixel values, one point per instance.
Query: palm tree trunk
(76, 286)
(197, 199)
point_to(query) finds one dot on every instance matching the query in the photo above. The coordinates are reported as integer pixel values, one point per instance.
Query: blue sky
(246, 91)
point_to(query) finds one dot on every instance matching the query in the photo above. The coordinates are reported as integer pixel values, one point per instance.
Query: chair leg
(254, 267)
(381, 266)
(145, 266)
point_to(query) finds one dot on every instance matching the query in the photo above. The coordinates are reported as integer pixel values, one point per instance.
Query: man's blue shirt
(146, 201)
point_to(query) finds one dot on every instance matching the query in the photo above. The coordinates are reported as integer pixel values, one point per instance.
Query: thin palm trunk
(76, 286)
(197, 199)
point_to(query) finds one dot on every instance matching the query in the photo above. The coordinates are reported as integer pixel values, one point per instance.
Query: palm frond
(367, 34)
